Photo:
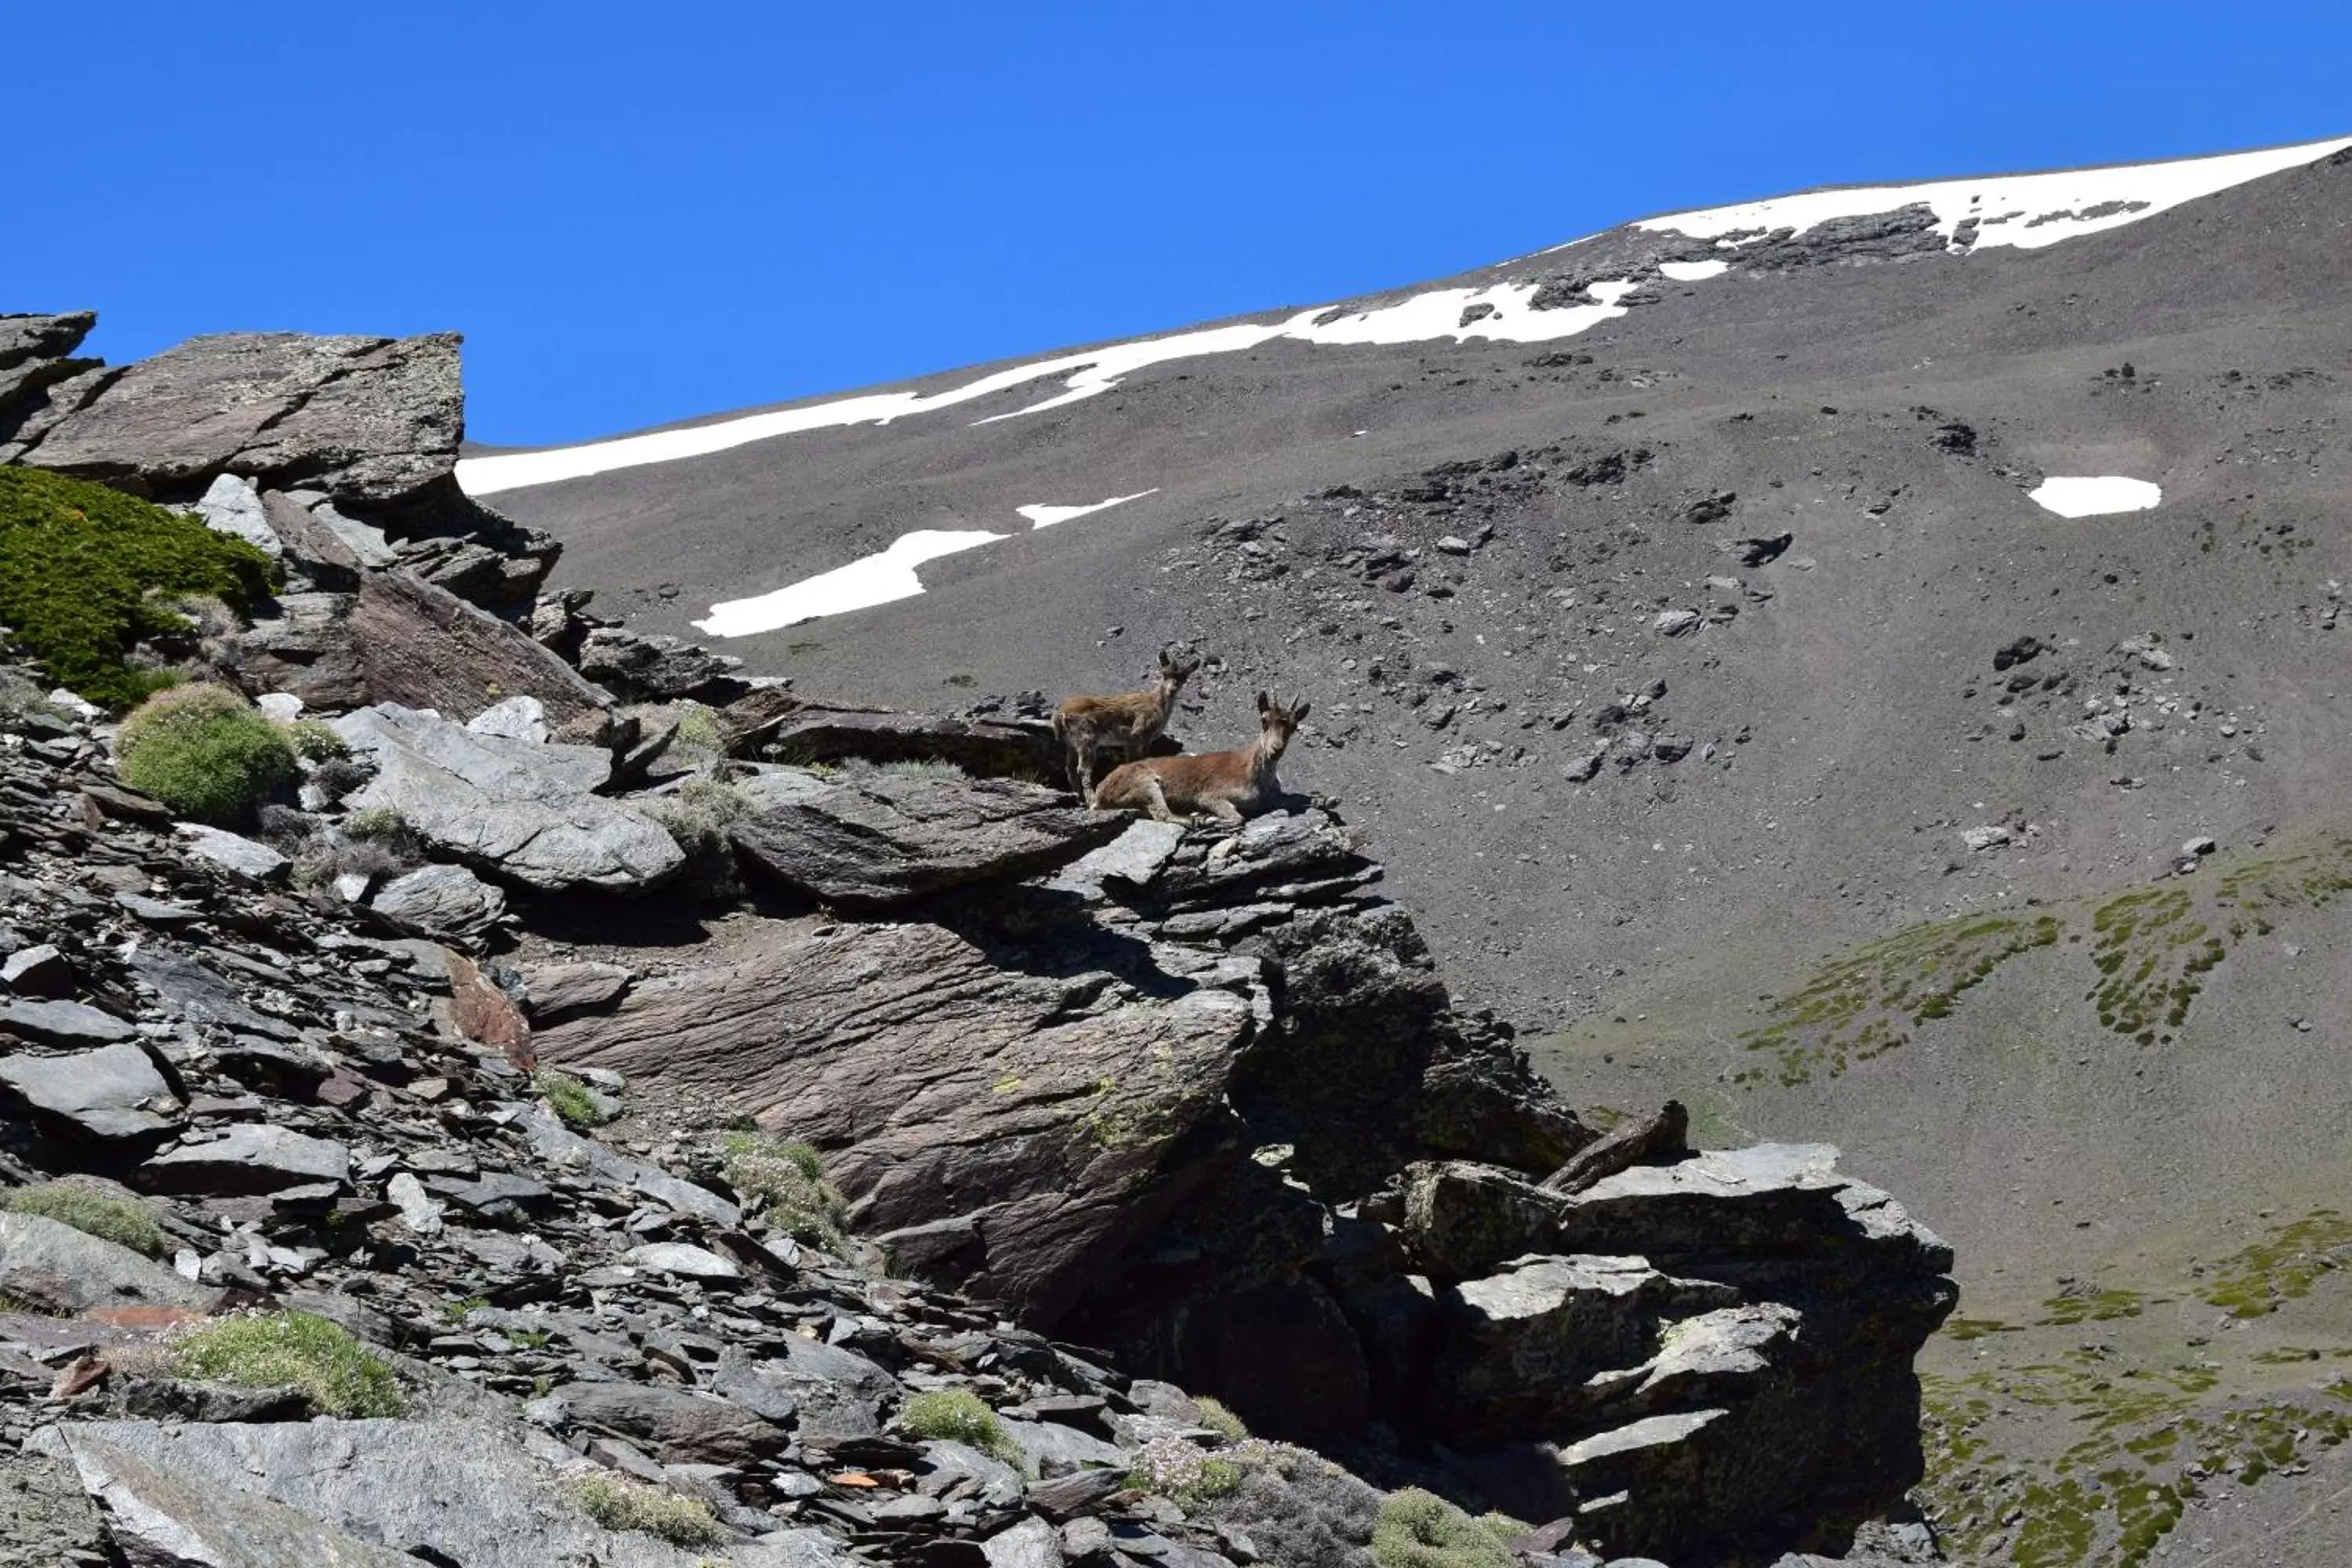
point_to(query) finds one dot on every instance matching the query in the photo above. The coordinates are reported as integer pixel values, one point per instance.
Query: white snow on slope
(872, 580)
(2028, 211)
(1693, 272)
(1506, 317)
(1047, 516)
(2085, 495)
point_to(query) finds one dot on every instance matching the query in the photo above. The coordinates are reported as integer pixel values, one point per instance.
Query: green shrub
(783, 1178)
(92, 1212)
(290, 1349)
(1415, 1529)
(315, 741)
(85, 573)
(376, 822)
(1217, 1418)
(698, 729)
(619, 1504)
(205, 752)
(960, 1415)
(570, 1099)
(698, 815)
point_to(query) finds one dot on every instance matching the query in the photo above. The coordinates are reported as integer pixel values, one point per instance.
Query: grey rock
(299, 644)
(110, 1095)
(1032, 1543)
(349, 1494)
(422, 647)
(879, 841)
(203, 996)
(241, 858)
(232, 506)
(282, 706)
(555, 992)
(1054, 1450)
(58, 1268)
(419, 1210)
(61, 1024)
(1134, 857)
(440, 901)
(39, 970)
(681, 1259)
(836, 1392)
(514, 719)
(248, 1159)
(677, 1425)
(510, 807)
(557, 1144)
(656, 669)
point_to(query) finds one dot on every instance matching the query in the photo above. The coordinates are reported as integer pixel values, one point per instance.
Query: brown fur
(1228, 785)
(1095, 730)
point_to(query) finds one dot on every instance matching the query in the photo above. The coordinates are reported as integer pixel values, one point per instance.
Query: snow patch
(863, 583)
(1438, 313)
(1047, 516)
(2028, 211)
(1693, 272)
(2094, 495)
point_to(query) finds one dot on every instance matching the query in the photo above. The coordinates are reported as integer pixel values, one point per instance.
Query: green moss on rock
(85, 573)
(290, 1349)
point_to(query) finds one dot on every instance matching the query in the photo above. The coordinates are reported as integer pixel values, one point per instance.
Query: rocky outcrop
(423, 646)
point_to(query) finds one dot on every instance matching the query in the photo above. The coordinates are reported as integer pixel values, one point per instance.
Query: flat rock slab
(59, 1269)
(241, 858)
(248, 1159)
(985, 1130)
(361, 418)
(557, 1144)
(880, 840)
(110, 1095)
(508, 807)
(61, 1024)
(1133, 857)
(561, 991)
(422, 647)
(679, 1426)
(344, 1494)
(440, 901)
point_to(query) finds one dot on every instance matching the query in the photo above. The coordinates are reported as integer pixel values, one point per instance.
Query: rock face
(516, 810)
(879, 841)
(53, 1267)
(112, 1095)
(423, 646)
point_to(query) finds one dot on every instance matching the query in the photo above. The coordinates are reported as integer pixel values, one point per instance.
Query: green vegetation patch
(92, 1212)
(617, 1503)
(1867, 1003)
(85, 574)
(570, 1099)
(290, 1349)
(783, 1179)
(205, 752)
(2282, 1266)
(1415, 1529)
(1219, 1418)
(960, 1415)
(2089, 1304)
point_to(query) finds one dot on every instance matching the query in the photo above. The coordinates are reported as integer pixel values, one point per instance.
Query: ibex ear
(1299, 712)
(1264, 702)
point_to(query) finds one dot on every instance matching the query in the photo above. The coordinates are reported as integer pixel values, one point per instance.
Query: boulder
(353, 1494)
(681, 1427)
(555, 992)
(232, 506)
(364, 420)
(987, 1130)
(514, 719)
(35, 356)
(776, 725)
(1133, 858)
(56, 1269)
(110, 1096)
(317, 540)
(248, 1159)
(422, 647)
(439, 900)
(60, 1023)
(516, 810)
(242, 858)
(644, 668)
(826, 1391)
(301, 644)
(881, 840)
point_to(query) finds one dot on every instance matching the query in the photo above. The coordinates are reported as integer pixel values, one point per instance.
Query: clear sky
(641, 211)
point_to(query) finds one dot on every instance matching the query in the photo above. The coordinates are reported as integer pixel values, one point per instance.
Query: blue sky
(638, 213)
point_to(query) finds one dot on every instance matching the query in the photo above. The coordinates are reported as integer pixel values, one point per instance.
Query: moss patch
(2282, 1266)
(959, 1416)
(84, 571)
(92, 1212)
(205, 752)
(569, 1097)
(290, 1349)
(783, 1179)
(1415, 1529)
(619, 1504)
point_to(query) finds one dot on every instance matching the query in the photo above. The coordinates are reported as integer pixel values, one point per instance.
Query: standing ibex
(1117, 728)
(1229, 785)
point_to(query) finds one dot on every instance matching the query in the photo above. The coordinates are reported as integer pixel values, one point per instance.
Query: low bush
(315, 741)
(570, 1099)
(783, 1179)
(1185, 1473)
(1415, 1529)
(1220, 1420)
(960, 1415)
(86, 575)
(619, 1504)
(92, 1212)
(205, 752)
(290, 1349)
(927, 768)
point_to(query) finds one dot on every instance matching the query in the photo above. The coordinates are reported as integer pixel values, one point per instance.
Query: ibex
(1115, 728)
(1229, 785)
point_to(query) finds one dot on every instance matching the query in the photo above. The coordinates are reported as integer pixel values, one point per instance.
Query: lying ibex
(1229, 785)
(1114, 729)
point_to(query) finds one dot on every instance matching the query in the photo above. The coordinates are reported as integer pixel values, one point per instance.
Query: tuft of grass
(569, 1097)
(1415, 1529)
(783, 1178)
(92, 1212)
(959, 1416)
(930, 770)
(376, 822)
(698, 729)
(315, 741)
(86, 572)
(619, 1504)
(290, 1349)
(204, 750)
(1219, 1418)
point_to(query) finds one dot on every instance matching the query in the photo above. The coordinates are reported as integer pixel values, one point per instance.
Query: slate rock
(112, 1095)
(440, 901)
(58, 1268)
(835, 1392)
(264, 1159)
(514, 719)
(508, 808)
(646, 669)
(243, 859)
(682, 1260)
(880, 841)
(301, 643)
(232, 506)
(677, 1425)
(61, 1023)
(39, 970)
(422, 647)
(561, 1147)
(555, 991)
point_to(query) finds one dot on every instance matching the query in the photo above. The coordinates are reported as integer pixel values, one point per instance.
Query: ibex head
(1276, 723)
